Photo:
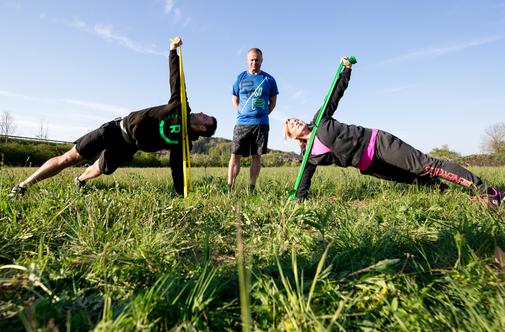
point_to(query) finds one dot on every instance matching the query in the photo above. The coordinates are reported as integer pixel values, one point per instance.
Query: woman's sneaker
(16, 191)
(495, 197)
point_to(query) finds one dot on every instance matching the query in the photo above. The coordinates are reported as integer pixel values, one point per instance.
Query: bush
(485, 160)
(23, 153)
(146, 159)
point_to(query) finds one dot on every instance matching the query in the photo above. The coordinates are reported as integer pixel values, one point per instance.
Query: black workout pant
(398, 161)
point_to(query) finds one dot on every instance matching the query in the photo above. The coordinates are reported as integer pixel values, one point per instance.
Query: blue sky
(430, 72)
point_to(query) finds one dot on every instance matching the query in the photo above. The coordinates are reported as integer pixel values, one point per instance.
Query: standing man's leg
(233, 169)
(239, 147)
(259, 146)
(254, 171)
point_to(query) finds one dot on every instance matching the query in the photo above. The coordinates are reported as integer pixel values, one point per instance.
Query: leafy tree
(494, 139)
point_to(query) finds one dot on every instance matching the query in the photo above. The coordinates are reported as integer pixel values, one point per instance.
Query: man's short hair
(255, 50)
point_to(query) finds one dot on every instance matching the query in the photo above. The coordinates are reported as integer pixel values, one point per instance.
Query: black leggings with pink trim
(398, 161)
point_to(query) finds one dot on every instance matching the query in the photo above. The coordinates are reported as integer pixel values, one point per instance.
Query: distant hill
(216, 151)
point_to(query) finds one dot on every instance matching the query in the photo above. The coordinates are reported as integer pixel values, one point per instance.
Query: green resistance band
(292, 193)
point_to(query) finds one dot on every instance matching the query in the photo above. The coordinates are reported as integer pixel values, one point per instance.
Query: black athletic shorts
(106, 143)
(250, 140)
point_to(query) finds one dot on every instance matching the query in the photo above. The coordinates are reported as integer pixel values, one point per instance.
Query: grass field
(362, 254)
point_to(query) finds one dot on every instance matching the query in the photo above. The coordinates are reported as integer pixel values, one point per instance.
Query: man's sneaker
(80, 186)
(16, 191)
(252, 189)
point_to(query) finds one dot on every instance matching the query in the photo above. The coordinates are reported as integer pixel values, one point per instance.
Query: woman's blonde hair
(287, 134)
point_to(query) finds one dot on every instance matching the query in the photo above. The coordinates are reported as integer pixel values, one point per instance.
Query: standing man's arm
(273, 101)
(274, 91)
(235, 94)
(235, 102)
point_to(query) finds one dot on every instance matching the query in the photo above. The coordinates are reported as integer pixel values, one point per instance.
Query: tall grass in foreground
(362, 254)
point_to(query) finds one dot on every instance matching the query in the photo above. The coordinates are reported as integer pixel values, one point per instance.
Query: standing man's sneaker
(16, 191)
(80, 186)
(252, 189)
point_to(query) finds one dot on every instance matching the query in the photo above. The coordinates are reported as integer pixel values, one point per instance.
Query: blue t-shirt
(254, 92)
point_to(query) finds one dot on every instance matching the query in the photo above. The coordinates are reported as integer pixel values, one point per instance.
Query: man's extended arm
(175, 77)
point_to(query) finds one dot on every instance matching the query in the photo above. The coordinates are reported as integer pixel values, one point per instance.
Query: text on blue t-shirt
(254, 92)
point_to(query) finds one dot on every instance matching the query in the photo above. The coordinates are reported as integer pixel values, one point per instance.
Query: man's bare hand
(175, 42)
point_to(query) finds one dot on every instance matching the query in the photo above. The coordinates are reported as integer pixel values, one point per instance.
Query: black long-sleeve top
(143, 127)
(347, 142)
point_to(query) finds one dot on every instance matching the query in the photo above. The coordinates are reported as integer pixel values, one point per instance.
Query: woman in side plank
(375, 152)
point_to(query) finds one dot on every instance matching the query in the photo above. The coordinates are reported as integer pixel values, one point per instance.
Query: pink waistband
(318, 148)
(367, 156)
